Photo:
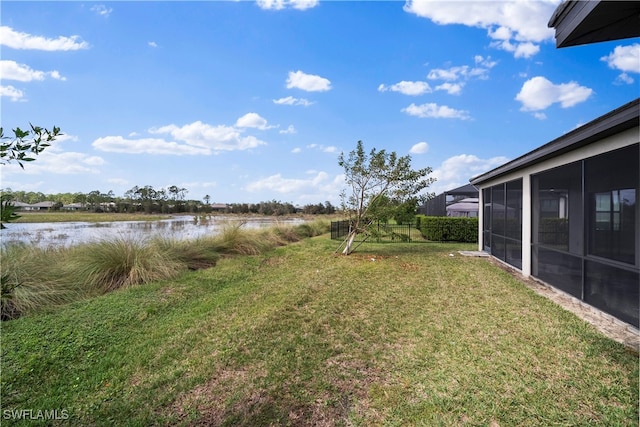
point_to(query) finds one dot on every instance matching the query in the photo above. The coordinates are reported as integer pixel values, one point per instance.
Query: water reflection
(60, 234)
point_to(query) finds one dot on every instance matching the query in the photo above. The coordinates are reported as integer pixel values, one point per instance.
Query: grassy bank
(40, 279)
(33, 217)
(401, 334)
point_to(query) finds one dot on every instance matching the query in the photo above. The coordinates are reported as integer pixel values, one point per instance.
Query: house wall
(529, 261)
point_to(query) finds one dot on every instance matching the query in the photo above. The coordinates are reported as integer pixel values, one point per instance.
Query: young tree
(25, 143)
(376, 177)
(19, 149)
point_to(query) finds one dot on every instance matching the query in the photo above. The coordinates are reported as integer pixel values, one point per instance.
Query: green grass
(394, 334)
(32, 217)
(35, 279)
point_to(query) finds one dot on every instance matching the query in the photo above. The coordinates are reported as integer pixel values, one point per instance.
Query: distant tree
(80, 198)
(370, 178)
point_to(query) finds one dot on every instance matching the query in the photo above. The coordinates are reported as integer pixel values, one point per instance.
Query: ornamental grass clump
(108, 265)
(233, 239)
(286, 234)
(34, 279)
(195, 254)
(313, 228)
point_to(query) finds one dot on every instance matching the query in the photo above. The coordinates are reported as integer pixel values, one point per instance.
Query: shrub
(448, 229)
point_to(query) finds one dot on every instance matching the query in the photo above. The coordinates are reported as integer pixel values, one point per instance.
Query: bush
(448, 229)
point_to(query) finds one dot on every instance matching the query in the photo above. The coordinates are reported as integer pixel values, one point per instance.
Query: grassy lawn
(31, 217)
(395, 334)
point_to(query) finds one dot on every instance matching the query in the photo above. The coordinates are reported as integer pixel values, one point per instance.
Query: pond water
(59, 234)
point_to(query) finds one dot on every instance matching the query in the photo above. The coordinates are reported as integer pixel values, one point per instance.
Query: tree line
(168, 200)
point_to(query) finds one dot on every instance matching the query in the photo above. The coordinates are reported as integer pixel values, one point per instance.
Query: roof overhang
(464, 190)
(592, 21)
(614, 122)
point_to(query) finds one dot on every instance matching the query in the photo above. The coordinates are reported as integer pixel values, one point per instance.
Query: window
(557, 215)
(612, 204)
(502, 222)
(585, 231)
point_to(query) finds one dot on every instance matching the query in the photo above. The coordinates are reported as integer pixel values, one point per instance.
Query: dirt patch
(234, 397)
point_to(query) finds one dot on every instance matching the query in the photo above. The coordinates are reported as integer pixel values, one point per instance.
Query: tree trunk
(350, 240)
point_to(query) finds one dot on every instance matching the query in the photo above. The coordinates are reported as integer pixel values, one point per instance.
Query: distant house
(43, 206)
(441, 204)
(75, 207)
(219, 207)
(464, 208)
(21, 206)
(567, 212)
(40, 206)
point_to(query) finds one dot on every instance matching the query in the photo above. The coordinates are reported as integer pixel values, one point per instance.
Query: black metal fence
(379, 232)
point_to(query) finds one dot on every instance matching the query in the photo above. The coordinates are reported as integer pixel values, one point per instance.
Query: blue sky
(254, 101)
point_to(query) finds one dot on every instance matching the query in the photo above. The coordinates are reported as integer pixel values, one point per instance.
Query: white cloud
(317, 182)
(118, 181)
(19, 40)
(152, 44)
(271, 4)
(118, 144)
(323, 148)
(407, 88)
(510, 24)
(253, 120)
(282, 4)
(520, 50)
(419, 148)
(432, 110)
(307, 82)
(215, 138)
(526, 50)
(11, 92)
(464, 72)
(625, 59)
(297, 150)
(289, 130)
(196, 138)
(56, 161)
(451, 88)
(290, 100)
(538, 93)
(304, 4)
(11, 70)
(279, 184)
(455, 77)
(451, 74)
(102, 10)
(625, 78)
(540, 116)
(456, 171)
